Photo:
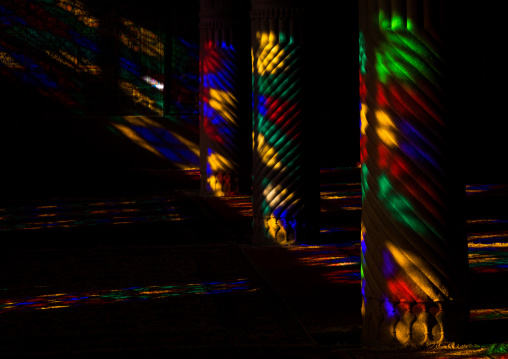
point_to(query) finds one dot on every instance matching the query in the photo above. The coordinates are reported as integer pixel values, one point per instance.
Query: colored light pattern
(182, 107)
(175, 137)
(78, 9)
(153, 292)
(141, 54)
(242, 205)
(58, 49)
(348, 200)
(72, 62)
(413, 251)
(492, 351)
(487, 237)
(49, 39)
(184, 78)
(138, 97)
(497, 350)
(483, 258)
(393, 62)
(87, 213)
(338, 229)
(486, 240)
(341, 261)
(220, 115)
(485, 188)
(159, 86)
(488, 258)
(387, 128)
(140, 39)
(277, 136)
(153, 135)
(42, 37)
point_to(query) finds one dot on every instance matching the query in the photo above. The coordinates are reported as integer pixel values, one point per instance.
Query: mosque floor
(157, 270)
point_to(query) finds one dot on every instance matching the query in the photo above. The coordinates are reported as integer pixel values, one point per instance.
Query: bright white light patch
(154, 83)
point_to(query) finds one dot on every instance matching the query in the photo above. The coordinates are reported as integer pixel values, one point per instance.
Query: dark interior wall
(78, 81)
(478, 88)
(332, 52)
(72, 70)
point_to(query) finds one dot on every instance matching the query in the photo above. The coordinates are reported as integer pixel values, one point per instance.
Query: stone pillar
(279, 140)
(414, 248)
(225, 125)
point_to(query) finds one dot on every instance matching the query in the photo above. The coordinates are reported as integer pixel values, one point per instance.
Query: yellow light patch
(78, 9)
(142, 121)
(363, 118)
(138, 97)
(9, 61)
(134, 137)
(144, 40)
(272, 226)
(268, 154)
(383, 119)
(426, 283)
(222, 102)
(276, 231)
(385, 129)
(271, 56)
(218, 162)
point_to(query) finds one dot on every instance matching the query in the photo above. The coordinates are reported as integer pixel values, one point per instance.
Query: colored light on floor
(65, 300)
(69, 214)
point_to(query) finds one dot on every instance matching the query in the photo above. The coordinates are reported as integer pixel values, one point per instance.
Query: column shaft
(224, 123)
(279, 142)
(414, 249)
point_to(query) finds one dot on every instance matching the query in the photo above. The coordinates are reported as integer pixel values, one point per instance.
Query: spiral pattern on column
(220, 138)
(277, 127)
(413, 244)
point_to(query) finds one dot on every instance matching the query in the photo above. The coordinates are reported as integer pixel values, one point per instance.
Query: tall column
(225, 125)
(280, 169)
(414, 249)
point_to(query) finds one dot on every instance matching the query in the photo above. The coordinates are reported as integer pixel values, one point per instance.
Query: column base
(275, 231)
(219, 184)
(387, 323)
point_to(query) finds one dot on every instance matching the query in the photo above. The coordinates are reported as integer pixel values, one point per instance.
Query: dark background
(58, 119)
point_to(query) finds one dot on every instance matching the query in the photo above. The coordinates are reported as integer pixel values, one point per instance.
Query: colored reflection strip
(242, 205)
(481, 188)
(74, 214)
(349, 200)
(339, 229)
(487, 259)
(138, 97)
(488, 236)
(65, 300)
(488, 314)
(345, 255)
(483, 257)
(485, 221)
(78, 9)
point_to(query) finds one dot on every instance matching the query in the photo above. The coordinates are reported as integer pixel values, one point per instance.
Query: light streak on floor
(65, 300)
(78, 213)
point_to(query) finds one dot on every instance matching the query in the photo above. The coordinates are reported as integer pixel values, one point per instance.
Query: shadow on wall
(83, 85)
